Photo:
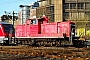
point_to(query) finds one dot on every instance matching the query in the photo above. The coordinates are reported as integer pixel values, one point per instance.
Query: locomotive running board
(39, 37)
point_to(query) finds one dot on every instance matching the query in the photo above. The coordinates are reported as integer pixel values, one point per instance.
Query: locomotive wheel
(38, 44)
(42, 44)
(50, 43)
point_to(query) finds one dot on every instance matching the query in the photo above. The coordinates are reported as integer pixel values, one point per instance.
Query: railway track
(42, 53)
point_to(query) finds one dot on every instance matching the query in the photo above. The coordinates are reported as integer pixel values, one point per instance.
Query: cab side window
(33, 22)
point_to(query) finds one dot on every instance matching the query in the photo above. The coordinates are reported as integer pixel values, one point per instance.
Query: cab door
(72, 33)
(72, 30)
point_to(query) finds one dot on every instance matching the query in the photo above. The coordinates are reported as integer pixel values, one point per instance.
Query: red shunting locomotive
(39, 31)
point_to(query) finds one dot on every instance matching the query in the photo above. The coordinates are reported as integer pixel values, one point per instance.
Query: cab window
(33, 22)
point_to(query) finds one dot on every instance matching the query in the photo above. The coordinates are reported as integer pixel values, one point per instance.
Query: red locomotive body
(43, 33)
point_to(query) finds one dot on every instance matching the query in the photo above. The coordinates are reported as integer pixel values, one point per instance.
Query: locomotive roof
(3, 23)
(37, 18)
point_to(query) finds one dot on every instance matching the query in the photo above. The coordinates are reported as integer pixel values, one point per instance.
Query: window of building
(48, 2)
(52, 1)
(80, 5)
(48, 10)
(87, 14)
(66, 15)
(87, 5)
(52, 17)
(52, 9)
(66, 6)
(73, 6)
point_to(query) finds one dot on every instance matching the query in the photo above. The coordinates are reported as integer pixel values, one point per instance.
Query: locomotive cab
(37, 21)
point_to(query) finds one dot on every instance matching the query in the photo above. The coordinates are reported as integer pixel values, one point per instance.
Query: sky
(12, 5)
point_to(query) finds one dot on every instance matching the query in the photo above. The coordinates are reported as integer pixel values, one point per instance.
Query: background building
(52, 9)
(32, 13)
(79, 12)
(46, 7)
(73, 10)
(27, 11)
(24, 13)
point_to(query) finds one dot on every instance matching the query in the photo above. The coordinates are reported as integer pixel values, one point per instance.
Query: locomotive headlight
(72, 33)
